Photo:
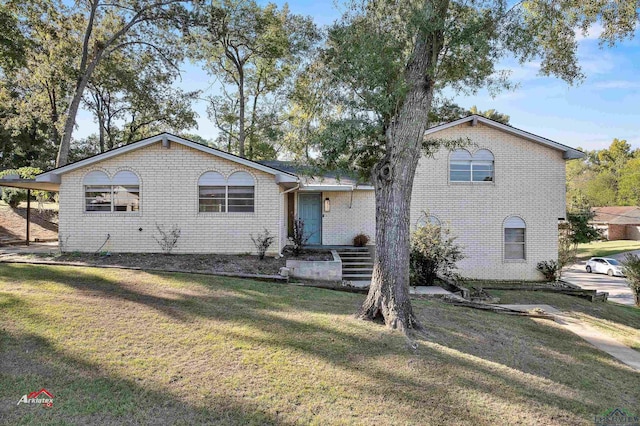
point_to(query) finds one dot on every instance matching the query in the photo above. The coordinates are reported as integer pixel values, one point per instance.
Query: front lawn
(119, 346)
(606, 248)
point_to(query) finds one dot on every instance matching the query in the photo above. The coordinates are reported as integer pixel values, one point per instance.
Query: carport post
(28, 213)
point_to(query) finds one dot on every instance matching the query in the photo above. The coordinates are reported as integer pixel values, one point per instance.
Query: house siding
(348, 217)
(529, 183)
(168, 196)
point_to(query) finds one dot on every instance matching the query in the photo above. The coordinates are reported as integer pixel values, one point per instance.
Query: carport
(14, 181)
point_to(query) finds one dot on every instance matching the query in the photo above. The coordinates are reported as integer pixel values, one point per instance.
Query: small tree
(433, 252)
(168, 239)
(631, 265)
(262, 242)
(298, 239)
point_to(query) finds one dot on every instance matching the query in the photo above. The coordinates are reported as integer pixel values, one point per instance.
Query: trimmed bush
(360, 240)
(550, 269)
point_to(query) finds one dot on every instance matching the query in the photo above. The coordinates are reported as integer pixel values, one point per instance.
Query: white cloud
(617, 84)
(593, 33)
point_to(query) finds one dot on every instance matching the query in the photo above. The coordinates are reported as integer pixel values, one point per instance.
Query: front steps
(357, 266)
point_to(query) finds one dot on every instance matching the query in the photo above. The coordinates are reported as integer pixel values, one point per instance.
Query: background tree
(606, 177)
(253, 51)
(491, 114)
(138, 25)
(389, 58)
(132, 97)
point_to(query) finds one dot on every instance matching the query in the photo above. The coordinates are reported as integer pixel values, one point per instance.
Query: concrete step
(357, 277)
(353, 270)
(354, 258)
(350, 264)
(347, 248)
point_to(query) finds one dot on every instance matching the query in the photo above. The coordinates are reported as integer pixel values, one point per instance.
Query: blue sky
(604, 106)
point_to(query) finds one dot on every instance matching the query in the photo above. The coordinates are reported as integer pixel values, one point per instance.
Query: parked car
(605, 265)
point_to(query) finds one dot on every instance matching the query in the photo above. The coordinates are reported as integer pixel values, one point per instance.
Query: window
(241, 192)
(120, 194)
(126, 192)
(212, 189)
(464, 167)
(514, 238)
(423, 220)
(237, 195)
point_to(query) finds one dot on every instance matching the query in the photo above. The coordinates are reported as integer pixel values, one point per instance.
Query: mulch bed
(247, 264)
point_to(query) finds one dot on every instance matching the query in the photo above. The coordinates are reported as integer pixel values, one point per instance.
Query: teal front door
(310, 212)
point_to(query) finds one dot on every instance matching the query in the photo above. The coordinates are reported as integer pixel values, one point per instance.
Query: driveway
(617, 287)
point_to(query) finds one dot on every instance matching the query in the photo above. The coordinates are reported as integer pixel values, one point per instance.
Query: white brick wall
(168, 195)
(529, 182)
(348, 219)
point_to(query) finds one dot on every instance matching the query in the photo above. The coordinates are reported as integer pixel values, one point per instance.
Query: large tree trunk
(388, 297)
(70, 122)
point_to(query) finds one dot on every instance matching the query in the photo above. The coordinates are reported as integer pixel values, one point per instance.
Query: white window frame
(241, 179)
(471, 161)
(99, 178)
(505, 226)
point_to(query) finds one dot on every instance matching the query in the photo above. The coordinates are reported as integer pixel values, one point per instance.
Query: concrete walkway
(47, 248)
(591, 334)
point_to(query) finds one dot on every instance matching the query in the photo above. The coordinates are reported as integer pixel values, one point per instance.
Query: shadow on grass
(433, 374)
(83, 394)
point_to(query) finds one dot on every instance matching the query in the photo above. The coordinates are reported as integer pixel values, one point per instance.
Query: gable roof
(617, 215)
(311, 177)
(54, 174)
(568, 152)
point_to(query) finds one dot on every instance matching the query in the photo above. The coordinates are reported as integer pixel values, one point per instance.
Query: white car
(605, 265)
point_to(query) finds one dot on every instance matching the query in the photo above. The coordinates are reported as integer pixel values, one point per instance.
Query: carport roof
(30, 184)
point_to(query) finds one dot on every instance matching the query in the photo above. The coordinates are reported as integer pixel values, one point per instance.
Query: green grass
(606, 248)
(117, 346)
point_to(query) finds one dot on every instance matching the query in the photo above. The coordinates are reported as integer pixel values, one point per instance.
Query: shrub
(299, 239)
(13, 196)
(550, 269)
(262, 242)
(631, 268)
(360, 240)
(433, 253)
(168, 239)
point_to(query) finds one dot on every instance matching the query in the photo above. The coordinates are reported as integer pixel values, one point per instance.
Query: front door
(310, 212)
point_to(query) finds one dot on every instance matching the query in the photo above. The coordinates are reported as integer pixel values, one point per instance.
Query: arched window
(464, 167)
(120, 194)
(97, 192)
(212, 190)
(126, 192)
(241, 192)
(514, 238)
(423, 220)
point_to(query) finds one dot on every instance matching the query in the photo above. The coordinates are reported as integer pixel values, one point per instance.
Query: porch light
(327, 205)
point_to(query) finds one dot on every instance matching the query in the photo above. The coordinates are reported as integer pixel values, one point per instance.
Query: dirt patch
(44, 224)
(248, 264)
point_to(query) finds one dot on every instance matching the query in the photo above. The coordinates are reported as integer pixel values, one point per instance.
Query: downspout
(280, 248)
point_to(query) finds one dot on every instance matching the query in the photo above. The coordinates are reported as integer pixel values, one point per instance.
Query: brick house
(617, 222)
(501, 196)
